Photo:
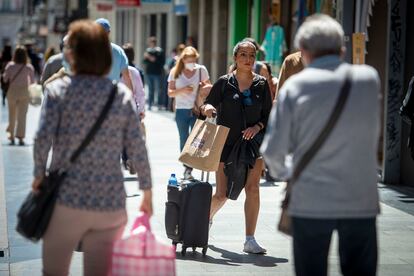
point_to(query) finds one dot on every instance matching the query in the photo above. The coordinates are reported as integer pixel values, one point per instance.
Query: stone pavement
(224, 256)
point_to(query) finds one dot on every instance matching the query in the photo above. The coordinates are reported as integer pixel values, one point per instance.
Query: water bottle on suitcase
(187, 214)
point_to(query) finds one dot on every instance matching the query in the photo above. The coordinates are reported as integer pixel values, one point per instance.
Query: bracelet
(261, 126)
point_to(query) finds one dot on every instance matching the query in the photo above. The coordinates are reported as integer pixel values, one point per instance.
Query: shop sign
(181, 7)
(103, 7)
(128, 3)
(156, 1)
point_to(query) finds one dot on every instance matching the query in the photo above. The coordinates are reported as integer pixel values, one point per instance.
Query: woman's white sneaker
(251, 246)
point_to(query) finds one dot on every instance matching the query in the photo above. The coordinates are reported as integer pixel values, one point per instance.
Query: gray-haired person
(337, 190)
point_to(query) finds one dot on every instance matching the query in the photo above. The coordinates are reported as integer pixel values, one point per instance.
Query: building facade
(384, 25)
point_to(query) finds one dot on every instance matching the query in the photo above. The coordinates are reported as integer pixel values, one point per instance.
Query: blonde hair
(179, 66)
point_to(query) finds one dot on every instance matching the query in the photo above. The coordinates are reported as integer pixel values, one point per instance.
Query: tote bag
(203, 148)
(35, 93)
(141, 253)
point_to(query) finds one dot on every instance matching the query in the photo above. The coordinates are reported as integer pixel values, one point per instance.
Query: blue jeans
(357, 245)
(154, 84)
(185, 120)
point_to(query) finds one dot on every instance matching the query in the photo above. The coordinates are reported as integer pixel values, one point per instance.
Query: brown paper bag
(203, 148)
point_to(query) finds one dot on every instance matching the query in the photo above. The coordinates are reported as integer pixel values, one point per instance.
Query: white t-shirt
(184, 100)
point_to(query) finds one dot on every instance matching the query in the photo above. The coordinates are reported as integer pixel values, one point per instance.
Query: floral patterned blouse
(95, 180)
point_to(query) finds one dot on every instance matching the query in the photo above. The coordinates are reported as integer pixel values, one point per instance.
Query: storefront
(380, 26)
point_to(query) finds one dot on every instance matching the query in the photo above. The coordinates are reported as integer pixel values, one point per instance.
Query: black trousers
(357, 245)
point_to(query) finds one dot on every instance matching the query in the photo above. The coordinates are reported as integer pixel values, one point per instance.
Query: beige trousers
(96, 230)
(18, 103)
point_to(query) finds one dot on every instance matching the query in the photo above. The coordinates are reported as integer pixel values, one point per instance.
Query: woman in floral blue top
(91, 201)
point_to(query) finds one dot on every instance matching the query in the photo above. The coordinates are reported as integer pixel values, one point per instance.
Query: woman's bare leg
(219, 197)
(252, 202)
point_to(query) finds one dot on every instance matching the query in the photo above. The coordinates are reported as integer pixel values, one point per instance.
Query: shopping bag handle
(142, 220)
(213, 118)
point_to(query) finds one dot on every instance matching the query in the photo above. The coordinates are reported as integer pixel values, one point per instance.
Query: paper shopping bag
(204, 146)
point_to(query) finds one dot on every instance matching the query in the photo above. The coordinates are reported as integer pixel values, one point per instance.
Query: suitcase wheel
(183, 251)
(204, 250)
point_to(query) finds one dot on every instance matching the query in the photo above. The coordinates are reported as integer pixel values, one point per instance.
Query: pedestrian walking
(139, 97)
(154, 59)
(53, 64)
(119, 67)
(6, 56)
(337, 190)
(242, 102)
(34, 58)
(137, 83)
(19, 73)
(175, 55)
(292, 64)
(91, 201)
(50, 51)
(407, 114)
(186, 79)
(271, 80)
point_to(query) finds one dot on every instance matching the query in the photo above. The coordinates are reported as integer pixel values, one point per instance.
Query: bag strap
(15, 75)
(97, 124)
(336, 113)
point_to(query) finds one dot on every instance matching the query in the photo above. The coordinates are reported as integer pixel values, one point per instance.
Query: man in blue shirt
(119, 59)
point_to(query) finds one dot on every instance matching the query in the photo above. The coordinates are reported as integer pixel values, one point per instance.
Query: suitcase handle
(207, 177)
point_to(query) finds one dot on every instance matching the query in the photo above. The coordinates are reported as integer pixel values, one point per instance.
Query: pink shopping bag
(141, 253)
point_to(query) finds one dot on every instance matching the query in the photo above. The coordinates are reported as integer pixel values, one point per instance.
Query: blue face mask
(66, 65)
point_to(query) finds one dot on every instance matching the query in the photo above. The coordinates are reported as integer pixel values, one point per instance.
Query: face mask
(190, 66)
(66, 65)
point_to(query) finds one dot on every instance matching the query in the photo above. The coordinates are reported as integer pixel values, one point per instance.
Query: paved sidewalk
(4, 241)
(224, 256)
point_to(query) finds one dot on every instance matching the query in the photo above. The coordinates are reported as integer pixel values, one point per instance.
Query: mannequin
(274, 43)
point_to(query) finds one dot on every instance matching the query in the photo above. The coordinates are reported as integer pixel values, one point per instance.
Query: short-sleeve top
(119, 62)
(226, 97)
(184, 100)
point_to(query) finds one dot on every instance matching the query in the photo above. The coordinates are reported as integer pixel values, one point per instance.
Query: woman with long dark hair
(242, 102)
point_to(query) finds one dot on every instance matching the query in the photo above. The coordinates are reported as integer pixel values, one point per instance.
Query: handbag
(285, 222)
(142, 253)
(34, 215)
(35, 94)
(6, 84)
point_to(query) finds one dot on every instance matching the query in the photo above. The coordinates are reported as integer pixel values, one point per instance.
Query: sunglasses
(247, 100)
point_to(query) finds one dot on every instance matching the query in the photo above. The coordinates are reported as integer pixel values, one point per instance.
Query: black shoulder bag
(35, 213)
(285, 225)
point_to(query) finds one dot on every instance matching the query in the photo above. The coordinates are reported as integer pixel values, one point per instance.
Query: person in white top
(185, 78)
(139, 97)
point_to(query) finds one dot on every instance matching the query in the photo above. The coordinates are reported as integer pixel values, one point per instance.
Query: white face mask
(190, 66)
